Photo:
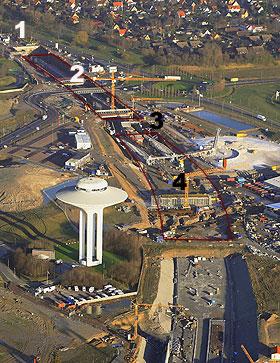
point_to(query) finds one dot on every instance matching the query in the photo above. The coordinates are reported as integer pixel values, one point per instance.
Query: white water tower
(91, 195)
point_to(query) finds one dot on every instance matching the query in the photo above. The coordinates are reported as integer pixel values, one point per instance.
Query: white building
(83, 141)
(76, 162)
(96, 68)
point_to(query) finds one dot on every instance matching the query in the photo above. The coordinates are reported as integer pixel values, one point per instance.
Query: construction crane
(187, 191)
(128, 78)
(136, 314)
(250, 359)
(193, 174)
(131, 357)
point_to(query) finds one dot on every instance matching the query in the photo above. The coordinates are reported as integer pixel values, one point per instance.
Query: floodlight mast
(91, 195)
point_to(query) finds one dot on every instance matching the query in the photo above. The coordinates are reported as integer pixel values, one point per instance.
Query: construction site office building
(77, 161)
(83, 141)
(175, 201)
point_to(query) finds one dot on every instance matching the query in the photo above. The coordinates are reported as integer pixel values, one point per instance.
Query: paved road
(8, 275)
(34, 100)
(253, 81)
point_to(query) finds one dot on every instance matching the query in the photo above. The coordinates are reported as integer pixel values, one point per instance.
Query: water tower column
(99, 235)
(82, 235)
(91, 240)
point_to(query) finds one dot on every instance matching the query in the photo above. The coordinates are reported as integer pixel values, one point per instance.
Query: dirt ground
(270, 331)
(21, 186)
(98, 134)
(164, 297)
(28, 328)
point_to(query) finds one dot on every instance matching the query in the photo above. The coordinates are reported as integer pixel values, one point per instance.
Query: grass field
(46, 225)
(183, 85)
(6, 81)
(242, 71)
(257, 98)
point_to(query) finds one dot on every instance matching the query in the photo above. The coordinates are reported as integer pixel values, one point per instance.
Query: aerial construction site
(134, 228)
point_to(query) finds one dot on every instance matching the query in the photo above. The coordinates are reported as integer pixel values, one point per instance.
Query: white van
(261, 117)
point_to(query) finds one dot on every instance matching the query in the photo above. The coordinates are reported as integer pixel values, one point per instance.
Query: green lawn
(178, 85)
(7, 80)
(67, 252)
(45, 225)
(257, 98)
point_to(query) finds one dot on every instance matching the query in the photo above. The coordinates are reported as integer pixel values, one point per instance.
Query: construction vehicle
(246, 132)
(274, 357)
(275, 167)
(133, 99)
(128, 78)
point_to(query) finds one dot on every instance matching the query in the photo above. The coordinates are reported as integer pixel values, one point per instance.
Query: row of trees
(31, 266)
(128, 248)
(83, 276)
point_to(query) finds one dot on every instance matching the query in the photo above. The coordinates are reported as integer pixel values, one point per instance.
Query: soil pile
(21, 186)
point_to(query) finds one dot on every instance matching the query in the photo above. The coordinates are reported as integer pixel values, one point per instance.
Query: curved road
(35, 101)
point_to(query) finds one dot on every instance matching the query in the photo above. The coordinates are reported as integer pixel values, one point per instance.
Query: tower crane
(129, 78)
(191, 175)
(250, 359)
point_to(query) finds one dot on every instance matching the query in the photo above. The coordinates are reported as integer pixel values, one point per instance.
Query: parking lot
(47, 146)
(74, 296)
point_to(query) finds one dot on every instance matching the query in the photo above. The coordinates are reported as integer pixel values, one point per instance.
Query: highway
(253, 82)
(236, 109)
(34, 100)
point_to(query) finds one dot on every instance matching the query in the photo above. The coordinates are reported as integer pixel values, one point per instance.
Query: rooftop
(91, 193)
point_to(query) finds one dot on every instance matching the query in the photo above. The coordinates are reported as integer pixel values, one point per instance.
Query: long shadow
(204, 340)
(25, 225)
(16, 353)
(155, 348)
(241, 309)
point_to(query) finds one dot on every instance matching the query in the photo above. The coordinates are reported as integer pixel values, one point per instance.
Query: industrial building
(77, 161)
(83, 141)
(177, 201)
